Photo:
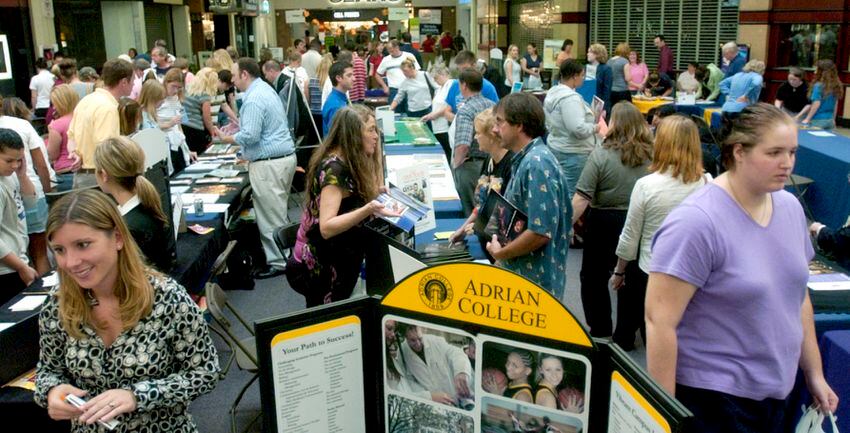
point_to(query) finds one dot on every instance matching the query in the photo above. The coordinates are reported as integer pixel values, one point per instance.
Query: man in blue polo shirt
(268, 147)
(342, 78)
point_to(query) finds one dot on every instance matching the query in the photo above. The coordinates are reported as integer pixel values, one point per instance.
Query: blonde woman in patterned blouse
(122, 336)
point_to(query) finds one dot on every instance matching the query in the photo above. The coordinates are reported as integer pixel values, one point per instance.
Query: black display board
(451, 348)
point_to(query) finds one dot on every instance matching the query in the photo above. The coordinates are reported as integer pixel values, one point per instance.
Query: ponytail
(149, 198)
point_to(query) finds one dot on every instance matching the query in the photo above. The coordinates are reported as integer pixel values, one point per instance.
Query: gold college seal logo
(435, 291)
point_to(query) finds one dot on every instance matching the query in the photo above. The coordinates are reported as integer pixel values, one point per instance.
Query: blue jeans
(571, 166)
(823, 123)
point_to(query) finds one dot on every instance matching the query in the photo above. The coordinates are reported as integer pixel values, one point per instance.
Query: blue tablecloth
(409, 149)
(588, 90)
(835, 353)
(450, 225)
(826, 160)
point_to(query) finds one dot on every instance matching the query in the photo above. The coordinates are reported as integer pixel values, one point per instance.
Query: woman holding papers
(728, 315)
(119, 169)
(343, 180)
(115, 333)
(606, 185)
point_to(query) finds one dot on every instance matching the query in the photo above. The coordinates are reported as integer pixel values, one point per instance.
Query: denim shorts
(37, 217)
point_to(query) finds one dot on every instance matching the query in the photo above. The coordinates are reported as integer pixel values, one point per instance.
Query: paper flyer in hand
(411, 210)
(414, 181)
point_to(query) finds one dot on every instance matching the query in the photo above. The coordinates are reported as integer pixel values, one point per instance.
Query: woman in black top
(495, 173)
(119, 168)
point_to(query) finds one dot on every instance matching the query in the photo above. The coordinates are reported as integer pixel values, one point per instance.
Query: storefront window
(802, 45)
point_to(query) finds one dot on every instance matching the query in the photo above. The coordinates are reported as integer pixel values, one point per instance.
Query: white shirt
(417, 92)
(516, 72)
(444, 363)
(687, 82)
(310, 61)
(300, 74)
(42, 83)
(653, 197)
(391, 67)
(131, 204)
(441, 124)
(31, 141)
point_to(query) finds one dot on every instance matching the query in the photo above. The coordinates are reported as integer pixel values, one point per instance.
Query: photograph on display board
(500, 416)
(407, 415)
(429, 362)
(551, 379)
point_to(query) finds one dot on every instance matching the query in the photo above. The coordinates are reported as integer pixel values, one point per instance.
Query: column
(43, 28)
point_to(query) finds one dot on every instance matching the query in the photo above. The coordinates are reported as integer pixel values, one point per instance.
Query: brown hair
(133, 289)
(629, 134)
(345, 139)
(827, 75)
(67, 69)
(64, 99)
(115, 70)
(174, 76)
(748, 129)
(124, 162)
(678, 149)
(129, 115)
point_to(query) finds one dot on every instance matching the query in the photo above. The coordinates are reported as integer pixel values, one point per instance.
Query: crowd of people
(635, 194)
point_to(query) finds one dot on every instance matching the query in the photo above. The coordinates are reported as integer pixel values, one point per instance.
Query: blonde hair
(133, 289)
(623, 49)
(205, 83)
(324, 68)
(678, 149)
(511, 47)
(600, 51)
(152, 93)
(124, 162)
(408, 63)
(64, 99)
(129, 116)
(484, 123)
(174, 76)
(629, 134)
(756, 66)
(220, 60)
(293, 55)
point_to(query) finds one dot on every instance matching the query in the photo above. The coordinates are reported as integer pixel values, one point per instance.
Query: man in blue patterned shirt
(536, 188)
(467, 158)
(268, 147)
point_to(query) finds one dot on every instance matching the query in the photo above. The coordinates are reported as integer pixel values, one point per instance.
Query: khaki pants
(270, 183)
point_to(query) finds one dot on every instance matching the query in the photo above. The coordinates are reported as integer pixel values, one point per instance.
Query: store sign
(399, 14)
(430, 16)
(295, 16)
(346, 14)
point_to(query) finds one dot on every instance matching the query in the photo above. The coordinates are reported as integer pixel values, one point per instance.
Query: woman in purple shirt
(728, 317)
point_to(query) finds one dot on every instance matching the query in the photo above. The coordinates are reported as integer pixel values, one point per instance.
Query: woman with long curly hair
(606, 185)
(824, 93)
(343, 182)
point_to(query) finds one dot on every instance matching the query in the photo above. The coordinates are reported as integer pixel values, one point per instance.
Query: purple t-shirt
(741, 334)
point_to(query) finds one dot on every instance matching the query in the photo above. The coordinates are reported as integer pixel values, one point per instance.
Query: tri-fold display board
(464, 348)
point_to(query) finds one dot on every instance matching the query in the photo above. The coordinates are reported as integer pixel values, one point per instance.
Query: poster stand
(461, 347)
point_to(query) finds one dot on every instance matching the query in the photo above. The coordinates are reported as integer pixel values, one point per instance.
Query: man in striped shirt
(268, 147)
(358, 92)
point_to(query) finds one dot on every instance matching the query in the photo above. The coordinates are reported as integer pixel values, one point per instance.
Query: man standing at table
(96, 118)
(467, 159)
(537, 189)
(736, 62)
(273, 75)
(311, 59)
(268, 147)
(665, 58)
(342, 78)
(391, 67)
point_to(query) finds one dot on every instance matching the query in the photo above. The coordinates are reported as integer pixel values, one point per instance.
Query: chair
(244, 350)
(284, 237)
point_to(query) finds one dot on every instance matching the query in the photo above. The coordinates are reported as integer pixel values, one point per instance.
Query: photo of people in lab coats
(429, 363)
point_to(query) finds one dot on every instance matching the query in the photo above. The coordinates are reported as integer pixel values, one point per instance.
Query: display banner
(460, 347)
(398, 14)
(295, 16)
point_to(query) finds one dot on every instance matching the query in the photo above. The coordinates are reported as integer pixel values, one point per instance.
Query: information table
(826, 160)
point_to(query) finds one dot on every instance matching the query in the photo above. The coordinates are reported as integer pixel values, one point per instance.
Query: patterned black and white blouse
(166, 360)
